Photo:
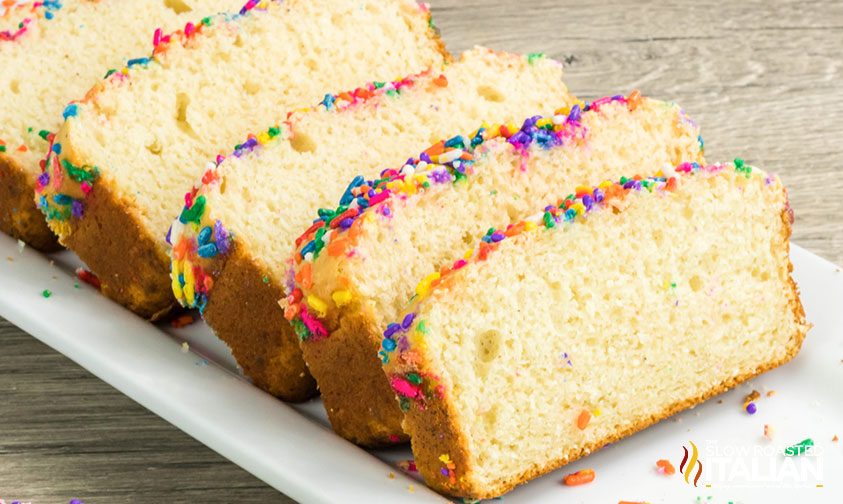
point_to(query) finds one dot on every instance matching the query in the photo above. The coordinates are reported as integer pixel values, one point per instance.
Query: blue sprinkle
(310, 247)
(388, 344)
(71, 110)
(204, 235)
(137, 61)
(57, 148)
(62, 199)
(207, 250)
(570, 214)
(328, 101)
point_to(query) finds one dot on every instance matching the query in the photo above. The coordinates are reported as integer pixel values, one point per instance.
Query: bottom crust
(19, 217)
(243, 311)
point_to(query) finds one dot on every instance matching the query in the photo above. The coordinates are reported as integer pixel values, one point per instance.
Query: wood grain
(762, 77)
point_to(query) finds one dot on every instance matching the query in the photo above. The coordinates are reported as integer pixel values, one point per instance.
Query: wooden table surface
(760, 76)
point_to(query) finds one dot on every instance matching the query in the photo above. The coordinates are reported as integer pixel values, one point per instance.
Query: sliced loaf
(54, 51)
(353, 279)
(125, 153)
(240, 224)
(594, 318)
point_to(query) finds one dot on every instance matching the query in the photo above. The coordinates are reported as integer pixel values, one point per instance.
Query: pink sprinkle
(459, 264)
(156, 37)
(188, 200)
(377, 198)
(86, 187)
(313, 325)
(394, 438)
(189, 30)
(404, 388)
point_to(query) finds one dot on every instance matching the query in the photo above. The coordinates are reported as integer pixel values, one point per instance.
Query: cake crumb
(21, 246)
(834, 439)
(769, 431)
(391, 475)
(411, 488)
(771, 393)
(185, 347)
(10, 258)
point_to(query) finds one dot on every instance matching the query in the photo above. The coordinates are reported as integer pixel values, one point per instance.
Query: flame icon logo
(687, 466)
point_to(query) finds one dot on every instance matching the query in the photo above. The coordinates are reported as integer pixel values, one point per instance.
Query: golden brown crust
(19, 217)
(349, 374)
(243, 311)
(132, 265)
(435, 433)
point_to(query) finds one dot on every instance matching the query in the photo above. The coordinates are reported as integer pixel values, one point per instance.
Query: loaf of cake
(353, 266)
(120, 163)
(233, 238)
(596, 317)
(51, 52)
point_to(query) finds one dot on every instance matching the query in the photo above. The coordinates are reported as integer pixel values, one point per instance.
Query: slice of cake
(121, 161)
(52, 52)
(234, 236)
(354, 264)
(592, 319)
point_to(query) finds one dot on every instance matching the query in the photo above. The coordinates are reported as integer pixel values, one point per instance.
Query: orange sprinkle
(441, 81)
(303, 277)
(22, 148)
(583, 419)
(437, 149)
(665, 467)
(336, 247)
(184, 320)
(579, 477)
(634, 99)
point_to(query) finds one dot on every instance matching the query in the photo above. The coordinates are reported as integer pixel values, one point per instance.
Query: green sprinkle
(80, 173)
(533, 57)
(274, 131)
(422, 327)
(404, 403)
(799, 448)
(548, 220)
(2, 148)
(206, 21)
(265, 279)
(414, 378)
(46, 293)
(301, 330)
(195, 212)
(739, 163)
(44, 134)
(672, 285)
(379, 85)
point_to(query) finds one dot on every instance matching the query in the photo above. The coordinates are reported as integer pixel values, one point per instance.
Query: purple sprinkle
(443, 470)
(408, 320)
(598, 195)
(588, 202)
(424, 157)
(44, 179)
(440, 176)
(76, 209)
(751, 408)
(76, 501)
(222, 237)
(346, 223)
(575, 114)
(390, 330)
(169, 236)
(497, 236)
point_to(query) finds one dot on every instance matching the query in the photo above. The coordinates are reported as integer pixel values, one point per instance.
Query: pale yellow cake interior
(269, 198)
(626, 316)
(424, 231)
(152, 135)
(57, 60)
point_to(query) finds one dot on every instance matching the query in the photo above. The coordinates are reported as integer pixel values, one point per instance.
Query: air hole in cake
(182, 103)
(695, 283)
(251, 87)
(223, 185)
(490, 93)
(312, 65)
(302, 142)
(490, 418)
(14, 86)
(155, 147)
(177, 6)
(488, 345)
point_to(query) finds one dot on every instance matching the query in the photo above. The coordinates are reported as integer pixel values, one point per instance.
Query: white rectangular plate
(294, 450)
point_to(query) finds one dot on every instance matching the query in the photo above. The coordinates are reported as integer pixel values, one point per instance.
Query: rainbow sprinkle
(402, 341)
(446, 163)
(63, 186)
(36, 10)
